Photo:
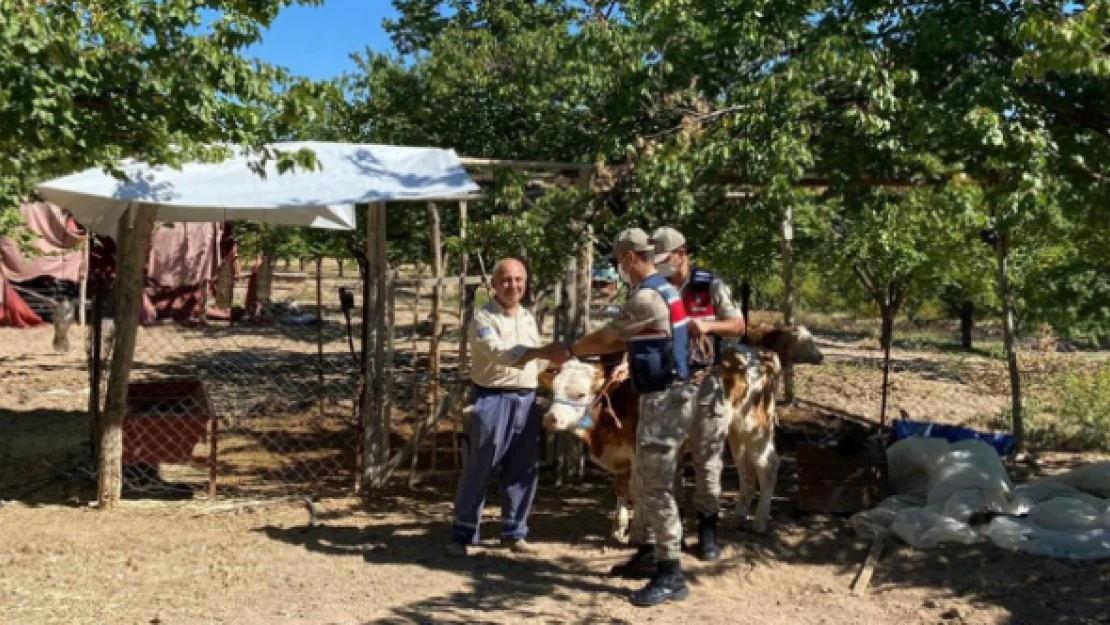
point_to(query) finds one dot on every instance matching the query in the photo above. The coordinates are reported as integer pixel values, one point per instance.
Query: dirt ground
(230, 561)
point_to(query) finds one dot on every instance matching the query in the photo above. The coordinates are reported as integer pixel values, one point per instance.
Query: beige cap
(631, 240)
(666, 240)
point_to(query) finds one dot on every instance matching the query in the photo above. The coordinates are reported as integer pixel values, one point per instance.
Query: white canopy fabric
(346, 174)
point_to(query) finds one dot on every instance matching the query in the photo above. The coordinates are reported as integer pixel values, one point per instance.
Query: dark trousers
(502, 433)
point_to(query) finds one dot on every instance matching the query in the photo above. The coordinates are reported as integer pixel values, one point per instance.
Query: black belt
(507, 391)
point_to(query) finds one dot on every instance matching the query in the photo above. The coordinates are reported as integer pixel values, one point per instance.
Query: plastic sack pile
(960, 493)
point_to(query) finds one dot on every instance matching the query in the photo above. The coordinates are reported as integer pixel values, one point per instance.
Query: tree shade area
(933, 158)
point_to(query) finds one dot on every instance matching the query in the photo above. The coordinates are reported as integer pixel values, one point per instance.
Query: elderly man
(503, 431)
(651, 329)
(713, 316)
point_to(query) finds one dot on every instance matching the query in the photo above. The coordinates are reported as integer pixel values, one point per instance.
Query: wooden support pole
(566, 442)
(133, 246)
(788, 295)
(83, 292)
(382, 368)
(96, 365)
(390, 361)
(320, 335)
(583, 274)
(437, 321)
(466, 313)
(375, 435)
(1002, 251)
(418, 434)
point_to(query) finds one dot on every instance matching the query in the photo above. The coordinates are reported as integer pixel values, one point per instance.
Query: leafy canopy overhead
(87, 83)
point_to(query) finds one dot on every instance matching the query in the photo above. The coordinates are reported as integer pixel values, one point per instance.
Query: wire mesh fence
(264, 405)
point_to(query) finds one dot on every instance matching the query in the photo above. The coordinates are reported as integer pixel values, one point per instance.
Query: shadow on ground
(1032, 590)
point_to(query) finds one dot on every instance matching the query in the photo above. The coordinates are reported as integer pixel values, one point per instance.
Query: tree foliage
(87, 83)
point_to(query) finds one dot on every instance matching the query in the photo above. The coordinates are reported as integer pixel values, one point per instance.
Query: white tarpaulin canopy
(346, 174)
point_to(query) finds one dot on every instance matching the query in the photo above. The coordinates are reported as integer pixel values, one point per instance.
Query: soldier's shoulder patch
(484, 332)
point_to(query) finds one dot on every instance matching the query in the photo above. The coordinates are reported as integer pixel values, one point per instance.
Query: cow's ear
(547, 378)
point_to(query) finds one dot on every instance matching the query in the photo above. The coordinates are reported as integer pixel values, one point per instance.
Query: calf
(749, 378)
(605, 416)
(792, 344)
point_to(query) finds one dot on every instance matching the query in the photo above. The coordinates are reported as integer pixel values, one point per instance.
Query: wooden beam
(434, 282)
(525, 165)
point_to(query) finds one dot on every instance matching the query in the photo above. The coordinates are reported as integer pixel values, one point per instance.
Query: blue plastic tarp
(906, 428)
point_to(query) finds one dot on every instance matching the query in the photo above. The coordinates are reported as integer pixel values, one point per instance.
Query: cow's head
(803, 348)
(573, 390)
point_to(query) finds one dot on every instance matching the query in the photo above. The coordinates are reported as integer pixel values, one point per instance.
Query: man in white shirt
(503, 430)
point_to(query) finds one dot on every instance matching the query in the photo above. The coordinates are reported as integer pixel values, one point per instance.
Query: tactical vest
(698, 300)
(655, 359)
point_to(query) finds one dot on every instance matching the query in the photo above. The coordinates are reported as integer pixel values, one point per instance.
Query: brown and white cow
(605, 417)
(792, 344)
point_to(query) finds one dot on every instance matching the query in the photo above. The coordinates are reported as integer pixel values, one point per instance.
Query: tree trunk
(788, 294)
(133, 246)
(745, 301)
(1003, 254)
(967, 323)
(885, 339)
(265, 286)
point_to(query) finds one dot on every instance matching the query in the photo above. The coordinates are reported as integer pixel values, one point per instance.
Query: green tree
(87, 83)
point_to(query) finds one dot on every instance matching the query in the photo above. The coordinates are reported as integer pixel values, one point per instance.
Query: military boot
(641, 565)
(708, 549)
(668, 584)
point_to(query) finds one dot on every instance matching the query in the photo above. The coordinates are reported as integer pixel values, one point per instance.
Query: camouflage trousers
(708, 436)
(665, 419)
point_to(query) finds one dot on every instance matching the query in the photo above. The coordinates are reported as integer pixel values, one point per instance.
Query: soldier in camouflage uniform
(651, 329)
(713, 316)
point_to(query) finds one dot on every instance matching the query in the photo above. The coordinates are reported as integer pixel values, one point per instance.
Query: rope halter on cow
(586, 421)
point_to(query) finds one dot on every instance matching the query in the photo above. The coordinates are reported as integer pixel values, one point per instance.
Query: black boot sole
(711, 556)
(680, 595)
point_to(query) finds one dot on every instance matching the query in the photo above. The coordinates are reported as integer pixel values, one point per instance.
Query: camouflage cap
(666, 240)
(631, 240)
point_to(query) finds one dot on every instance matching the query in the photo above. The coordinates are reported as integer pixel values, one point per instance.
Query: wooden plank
(863, 579)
